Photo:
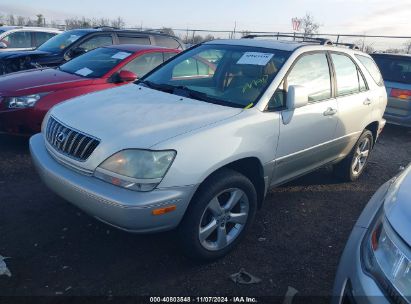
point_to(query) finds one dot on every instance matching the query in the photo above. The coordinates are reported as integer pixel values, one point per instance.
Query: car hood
(34, 81)
(20, 54)
(397, 205)
(133, 116)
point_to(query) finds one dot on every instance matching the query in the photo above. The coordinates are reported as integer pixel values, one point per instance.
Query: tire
(353, 165)
(210, 209)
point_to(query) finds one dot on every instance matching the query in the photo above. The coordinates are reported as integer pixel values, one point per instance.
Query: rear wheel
(218, 216)
(351, 167)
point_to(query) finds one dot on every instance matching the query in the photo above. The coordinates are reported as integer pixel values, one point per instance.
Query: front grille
(70, 142)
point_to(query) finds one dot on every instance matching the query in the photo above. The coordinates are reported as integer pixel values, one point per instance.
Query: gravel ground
(297, 239)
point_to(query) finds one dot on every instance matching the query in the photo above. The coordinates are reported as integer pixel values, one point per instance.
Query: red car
(25, 97)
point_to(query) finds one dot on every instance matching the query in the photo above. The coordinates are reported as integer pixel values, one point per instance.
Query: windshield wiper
(207, 98)
(168, 88)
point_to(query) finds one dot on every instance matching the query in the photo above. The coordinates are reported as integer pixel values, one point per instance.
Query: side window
(95, 42)
(346, 75)
(18, 40)
(167, 42)
(144, 63)
(371, 68)
(167, 56)
(133, 40)
(42, 37)
(312, 72)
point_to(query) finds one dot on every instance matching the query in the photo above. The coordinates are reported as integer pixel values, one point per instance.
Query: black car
(72, 43)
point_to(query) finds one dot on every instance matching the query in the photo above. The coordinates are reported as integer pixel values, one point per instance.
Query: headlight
(23, 101)
(387, 258)
(140, 170)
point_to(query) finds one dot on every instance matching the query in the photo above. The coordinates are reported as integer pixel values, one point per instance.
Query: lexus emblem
(60, 137)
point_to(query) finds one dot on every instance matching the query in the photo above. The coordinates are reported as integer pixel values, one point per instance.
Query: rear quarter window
(395, 68)
(372, 68)
(133, 40)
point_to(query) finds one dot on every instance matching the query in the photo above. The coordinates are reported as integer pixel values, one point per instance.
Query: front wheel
(351, 167)
(218, 216)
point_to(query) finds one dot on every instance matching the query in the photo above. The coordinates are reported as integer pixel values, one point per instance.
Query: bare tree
(168, 30)
(365, 47)
(118, 22)
(208, 37)
(21, 20)
(407, 46)
(41, 21)
(11, 20)
(309, 26)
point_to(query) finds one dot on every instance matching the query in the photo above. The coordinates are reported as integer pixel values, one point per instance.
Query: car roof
(32, 28)
(136, 47)
(391, 55)
(284, 45)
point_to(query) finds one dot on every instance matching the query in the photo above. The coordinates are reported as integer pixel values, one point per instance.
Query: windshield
(95, 63)
(394, 68)
(61, 41)
(225, 74)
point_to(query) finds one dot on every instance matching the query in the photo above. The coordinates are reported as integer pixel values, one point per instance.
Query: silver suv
(23, 38)
(196, 143)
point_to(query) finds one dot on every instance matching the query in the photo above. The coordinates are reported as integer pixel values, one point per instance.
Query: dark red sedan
(25, 97)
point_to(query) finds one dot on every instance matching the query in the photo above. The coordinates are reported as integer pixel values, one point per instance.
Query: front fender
(200, 153)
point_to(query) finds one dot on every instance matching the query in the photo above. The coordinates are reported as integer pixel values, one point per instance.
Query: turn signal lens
(164, 210)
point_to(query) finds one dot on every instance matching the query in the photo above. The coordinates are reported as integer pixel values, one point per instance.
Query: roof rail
(106, 27)
(352, 46)
(322, 41)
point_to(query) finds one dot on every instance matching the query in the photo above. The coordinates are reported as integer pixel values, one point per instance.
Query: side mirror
(3, 45)
(126, 76)
(74, 53)
(297, 97)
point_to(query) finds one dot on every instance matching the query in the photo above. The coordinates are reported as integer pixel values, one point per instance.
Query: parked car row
(70, 44)
(28, 95)
(22, 38)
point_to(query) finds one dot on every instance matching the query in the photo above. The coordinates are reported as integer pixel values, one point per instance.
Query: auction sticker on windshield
(84, 72)
(255, 58)
(120, 55)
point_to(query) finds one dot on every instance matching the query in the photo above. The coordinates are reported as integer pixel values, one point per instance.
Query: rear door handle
(367, 102)
(330, 112)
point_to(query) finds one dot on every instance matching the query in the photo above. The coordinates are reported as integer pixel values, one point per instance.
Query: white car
(20, 38)
(197, 142)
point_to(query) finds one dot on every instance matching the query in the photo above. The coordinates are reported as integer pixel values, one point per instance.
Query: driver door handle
(330, 111)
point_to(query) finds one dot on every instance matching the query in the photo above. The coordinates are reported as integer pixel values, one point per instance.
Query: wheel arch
(252, 168)
(373, 127)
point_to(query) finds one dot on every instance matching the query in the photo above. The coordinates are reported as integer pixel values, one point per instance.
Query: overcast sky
(342, 16)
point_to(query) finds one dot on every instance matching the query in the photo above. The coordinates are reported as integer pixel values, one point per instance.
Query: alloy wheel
(361, 156)
(223, 219)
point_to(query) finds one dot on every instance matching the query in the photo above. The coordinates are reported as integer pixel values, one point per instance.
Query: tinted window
(167, 42)
(18, 40)
(144, 63)
(232, 75)
(95, 42)
(133, 40)
(397, 69)
(312, 72)
(42, 37)
(61, 41)
(95, 63)
(346, 74)
(167, 56)
(371, 68)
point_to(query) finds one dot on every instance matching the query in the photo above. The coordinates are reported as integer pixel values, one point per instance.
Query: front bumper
(125, 209)
(352, 284)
